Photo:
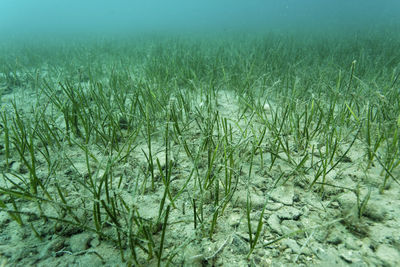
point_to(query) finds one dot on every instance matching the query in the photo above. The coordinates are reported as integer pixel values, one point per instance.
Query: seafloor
(264, 150)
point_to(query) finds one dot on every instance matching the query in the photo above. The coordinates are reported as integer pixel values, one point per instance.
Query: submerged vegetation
(174, 149)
